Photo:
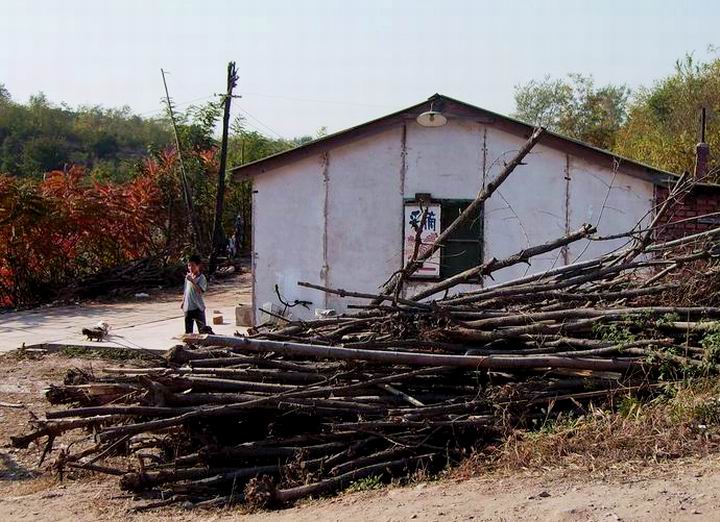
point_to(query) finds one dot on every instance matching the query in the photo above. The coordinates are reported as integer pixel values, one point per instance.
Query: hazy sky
(308, 63)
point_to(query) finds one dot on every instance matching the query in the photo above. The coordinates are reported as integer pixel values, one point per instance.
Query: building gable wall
(336, 218)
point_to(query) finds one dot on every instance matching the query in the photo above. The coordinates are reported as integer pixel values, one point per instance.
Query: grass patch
(366, 484)
(614, 333)
(112, 354)
(684, 420)
(711, 343)
(86, 352)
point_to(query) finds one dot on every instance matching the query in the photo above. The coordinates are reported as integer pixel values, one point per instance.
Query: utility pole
(187, 194)
(218, 234)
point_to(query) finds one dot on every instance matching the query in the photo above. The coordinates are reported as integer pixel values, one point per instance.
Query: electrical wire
(261, 123)
(263, 126)
(310, 100)
(182, 104)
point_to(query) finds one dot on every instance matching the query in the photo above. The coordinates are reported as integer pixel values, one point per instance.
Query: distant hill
(39, 136)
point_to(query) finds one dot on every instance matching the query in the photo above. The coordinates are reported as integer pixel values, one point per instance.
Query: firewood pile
(411, 382)
(136, 276)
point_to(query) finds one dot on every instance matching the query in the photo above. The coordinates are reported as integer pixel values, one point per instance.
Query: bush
(67, 226)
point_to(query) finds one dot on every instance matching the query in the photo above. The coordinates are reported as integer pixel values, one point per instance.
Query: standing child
(195, 286)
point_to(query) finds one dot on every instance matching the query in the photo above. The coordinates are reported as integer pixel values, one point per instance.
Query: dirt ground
(684, 489)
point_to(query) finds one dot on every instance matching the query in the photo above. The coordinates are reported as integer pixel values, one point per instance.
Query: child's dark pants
(196, 315)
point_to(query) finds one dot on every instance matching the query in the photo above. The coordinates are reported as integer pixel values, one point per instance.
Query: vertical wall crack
(403, 159)
(565, 251)
(484, 157)
(483, 246)
(403, 174)
(325, 271)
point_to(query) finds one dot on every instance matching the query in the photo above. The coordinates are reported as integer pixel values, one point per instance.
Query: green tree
(40, 136)
(663, 120)
(44, 153)
(574, 107)
(4, 94)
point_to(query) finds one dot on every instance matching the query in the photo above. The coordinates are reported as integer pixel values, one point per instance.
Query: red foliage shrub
(67, 226)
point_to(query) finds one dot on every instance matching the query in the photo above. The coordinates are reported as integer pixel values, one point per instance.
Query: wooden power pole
(218, 233)
(187, 194)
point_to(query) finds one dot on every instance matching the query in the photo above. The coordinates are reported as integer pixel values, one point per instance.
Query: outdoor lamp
(431, 118)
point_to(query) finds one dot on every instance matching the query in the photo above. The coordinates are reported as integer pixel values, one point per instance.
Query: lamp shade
(431, 119)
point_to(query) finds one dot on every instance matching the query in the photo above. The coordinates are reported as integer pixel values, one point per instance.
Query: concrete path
(152, 323)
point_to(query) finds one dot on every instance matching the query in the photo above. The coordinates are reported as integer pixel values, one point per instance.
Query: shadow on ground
(10, 470)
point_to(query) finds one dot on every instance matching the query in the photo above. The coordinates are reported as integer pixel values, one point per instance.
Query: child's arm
(199, 282)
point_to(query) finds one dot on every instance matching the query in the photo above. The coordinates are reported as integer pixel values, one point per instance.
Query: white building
(334, 211)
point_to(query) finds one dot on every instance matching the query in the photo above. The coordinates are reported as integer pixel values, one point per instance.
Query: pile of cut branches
(407, 384)
(139, 275)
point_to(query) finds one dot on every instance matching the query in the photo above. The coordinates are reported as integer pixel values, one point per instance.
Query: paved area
(154, 322)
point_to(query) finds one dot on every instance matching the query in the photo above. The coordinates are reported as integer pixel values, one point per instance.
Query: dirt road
(152, 322)
(682, 491)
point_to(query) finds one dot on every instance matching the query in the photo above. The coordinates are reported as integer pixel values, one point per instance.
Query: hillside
(40, 136)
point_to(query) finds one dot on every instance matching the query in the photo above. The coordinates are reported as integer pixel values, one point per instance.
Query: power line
(176, 105)
(263, 126)
(311, 100)
(276, 96)
(261, 123)
(248, 123)
(254, 127)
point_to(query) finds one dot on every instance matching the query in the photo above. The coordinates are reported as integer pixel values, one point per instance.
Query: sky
(306, 64)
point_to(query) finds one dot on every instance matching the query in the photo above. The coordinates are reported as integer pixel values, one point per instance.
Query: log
(379, 426)
(285, 496)
(209, 456)
(201, 399)
(117, 410)
(361, 462)
(693, 238)
(412, 359)
(577, 313)
(51, 429)
(141, 481)
(494, 264)
(232, 409)
(236, 475)
(572, 268)
(364, 295)
(213, 384)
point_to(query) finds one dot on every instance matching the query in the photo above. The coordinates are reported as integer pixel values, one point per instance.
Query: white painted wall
(365, 214)
(603, 196)
(528, 208)
(288, 231)
(344, 209)
(444, 161)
